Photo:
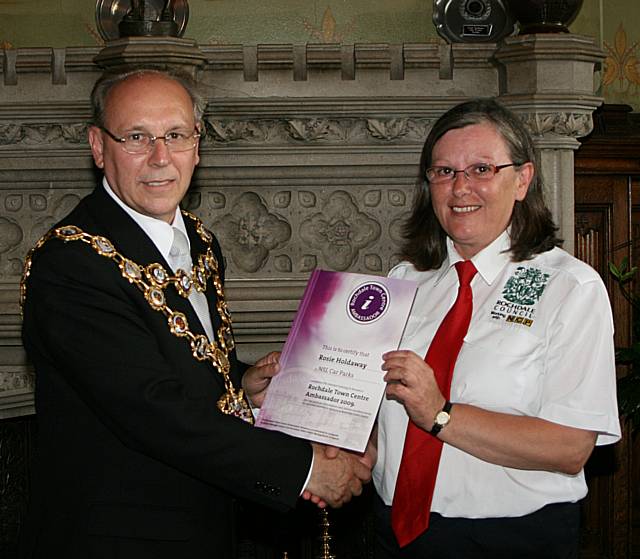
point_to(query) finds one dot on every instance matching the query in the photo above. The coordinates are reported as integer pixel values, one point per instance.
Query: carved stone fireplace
(310, 156)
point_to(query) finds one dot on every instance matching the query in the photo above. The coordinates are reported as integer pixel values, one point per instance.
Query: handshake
(338, 475)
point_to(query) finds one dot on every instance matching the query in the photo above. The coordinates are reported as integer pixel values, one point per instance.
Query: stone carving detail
(307, 199)
(12, 267)
(38, 202)
(395, 228)
(390, 129)
(61, 208)
(258, 131)
(27, 217)
(249, 232)
(282, 200)
(10, 235)
(314, 129)
(16, 381)
(238, 130)
(10, 134)
(373, 263)
(305, 130)
(283, 264)
(340, 231)
(372, 198)
(397, 197)
(216, 200)
(308, 262)
(13, 202)
(575, 125)
(43, 134)
(75, 133)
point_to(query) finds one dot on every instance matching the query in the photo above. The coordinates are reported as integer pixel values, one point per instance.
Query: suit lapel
(133, 243)
(129, 239)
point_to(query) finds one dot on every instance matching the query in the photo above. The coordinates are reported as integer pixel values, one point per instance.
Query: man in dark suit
(144, 433)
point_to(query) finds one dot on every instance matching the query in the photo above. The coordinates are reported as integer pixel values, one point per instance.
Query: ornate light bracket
(146, 32)
(138, 21)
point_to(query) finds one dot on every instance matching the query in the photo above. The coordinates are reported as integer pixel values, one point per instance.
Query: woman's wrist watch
(442, 418)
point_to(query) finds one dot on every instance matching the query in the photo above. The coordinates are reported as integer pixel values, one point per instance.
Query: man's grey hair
(107, 81)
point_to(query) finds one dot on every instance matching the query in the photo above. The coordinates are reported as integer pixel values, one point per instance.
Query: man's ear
(199, 128)
(96, 141)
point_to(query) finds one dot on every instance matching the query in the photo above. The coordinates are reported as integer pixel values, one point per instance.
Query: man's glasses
(140, 142)
(475, 172)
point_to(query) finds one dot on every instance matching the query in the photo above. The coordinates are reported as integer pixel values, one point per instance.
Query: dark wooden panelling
(607, 196)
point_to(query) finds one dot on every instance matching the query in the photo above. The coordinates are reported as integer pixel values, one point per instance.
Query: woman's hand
(411, 382)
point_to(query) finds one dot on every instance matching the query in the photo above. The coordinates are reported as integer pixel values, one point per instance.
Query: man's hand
(256, 379)
(367, 458)
(337, 476)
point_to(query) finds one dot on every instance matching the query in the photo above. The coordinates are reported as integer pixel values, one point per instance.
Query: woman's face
(472, 212)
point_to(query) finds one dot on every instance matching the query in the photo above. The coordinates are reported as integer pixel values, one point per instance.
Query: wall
(615, 24)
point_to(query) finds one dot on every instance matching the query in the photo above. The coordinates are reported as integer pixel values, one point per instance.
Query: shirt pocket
(500, 367)
(419, 333)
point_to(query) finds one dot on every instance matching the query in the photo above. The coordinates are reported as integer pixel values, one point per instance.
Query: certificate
(330, 382)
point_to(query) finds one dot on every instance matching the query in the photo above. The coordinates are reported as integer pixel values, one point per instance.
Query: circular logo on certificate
(368, 302)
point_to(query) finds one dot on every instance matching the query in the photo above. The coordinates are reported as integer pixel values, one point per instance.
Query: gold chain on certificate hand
(152, 280)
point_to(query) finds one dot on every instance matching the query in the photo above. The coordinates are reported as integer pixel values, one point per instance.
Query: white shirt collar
(489, 261)
(159, 231)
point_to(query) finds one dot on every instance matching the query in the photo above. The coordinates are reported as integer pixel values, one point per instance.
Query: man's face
(151, 183)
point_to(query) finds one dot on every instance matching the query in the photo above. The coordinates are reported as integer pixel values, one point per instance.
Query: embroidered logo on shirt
(525, 287)
(520, 292)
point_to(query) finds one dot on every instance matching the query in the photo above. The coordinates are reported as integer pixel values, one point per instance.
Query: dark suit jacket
(134, 459)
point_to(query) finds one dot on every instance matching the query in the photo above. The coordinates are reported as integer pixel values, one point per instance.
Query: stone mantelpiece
(310, 157)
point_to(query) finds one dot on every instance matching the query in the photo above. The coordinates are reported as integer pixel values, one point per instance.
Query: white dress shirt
(161, 234)
(540, 344)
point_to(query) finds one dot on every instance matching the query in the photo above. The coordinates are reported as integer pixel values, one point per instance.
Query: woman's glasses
(475, 172)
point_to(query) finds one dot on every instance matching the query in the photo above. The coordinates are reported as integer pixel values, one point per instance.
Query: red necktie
(421, 453)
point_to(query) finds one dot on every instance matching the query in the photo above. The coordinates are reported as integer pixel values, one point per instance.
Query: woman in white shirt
(533, 387)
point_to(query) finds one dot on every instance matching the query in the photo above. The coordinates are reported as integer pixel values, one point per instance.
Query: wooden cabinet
(607, 228)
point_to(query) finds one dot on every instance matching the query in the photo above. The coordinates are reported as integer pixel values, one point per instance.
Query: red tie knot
(466, 270)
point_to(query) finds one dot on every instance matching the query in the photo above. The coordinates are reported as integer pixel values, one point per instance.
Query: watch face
(472, 21)
(442, 418)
